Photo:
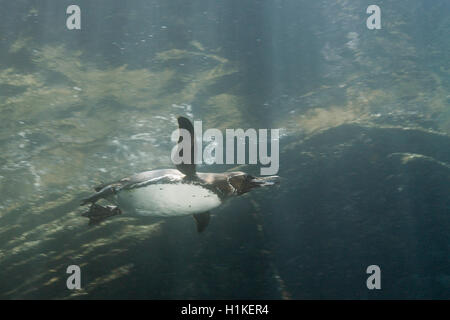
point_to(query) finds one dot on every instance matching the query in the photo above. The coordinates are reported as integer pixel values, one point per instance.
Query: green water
(87, 106)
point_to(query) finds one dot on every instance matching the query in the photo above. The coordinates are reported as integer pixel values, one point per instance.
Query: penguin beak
(265, 181)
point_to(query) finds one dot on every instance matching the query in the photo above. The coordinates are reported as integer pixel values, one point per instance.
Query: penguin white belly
(168, 200)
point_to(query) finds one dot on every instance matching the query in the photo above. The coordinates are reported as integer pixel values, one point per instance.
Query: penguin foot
(98, 213)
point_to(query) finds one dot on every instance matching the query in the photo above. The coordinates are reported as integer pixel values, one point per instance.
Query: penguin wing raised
(189, 169)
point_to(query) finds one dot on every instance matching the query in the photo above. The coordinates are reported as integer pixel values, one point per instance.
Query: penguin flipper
(202, 220)
(188, 169)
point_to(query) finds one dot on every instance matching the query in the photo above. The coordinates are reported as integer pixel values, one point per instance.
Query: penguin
(173, 192)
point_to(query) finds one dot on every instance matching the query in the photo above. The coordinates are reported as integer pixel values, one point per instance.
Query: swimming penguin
(173, 192)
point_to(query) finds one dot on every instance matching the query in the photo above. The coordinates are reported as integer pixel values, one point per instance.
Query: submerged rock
(358, 195)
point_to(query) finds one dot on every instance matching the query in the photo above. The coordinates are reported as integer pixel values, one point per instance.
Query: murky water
(364, 156)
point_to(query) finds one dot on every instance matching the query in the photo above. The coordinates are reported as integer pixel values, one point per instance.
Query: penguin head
(243, 182)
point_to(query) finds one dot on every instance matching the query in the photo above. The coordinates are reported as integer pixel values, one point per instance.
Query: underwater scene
(355, 100)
